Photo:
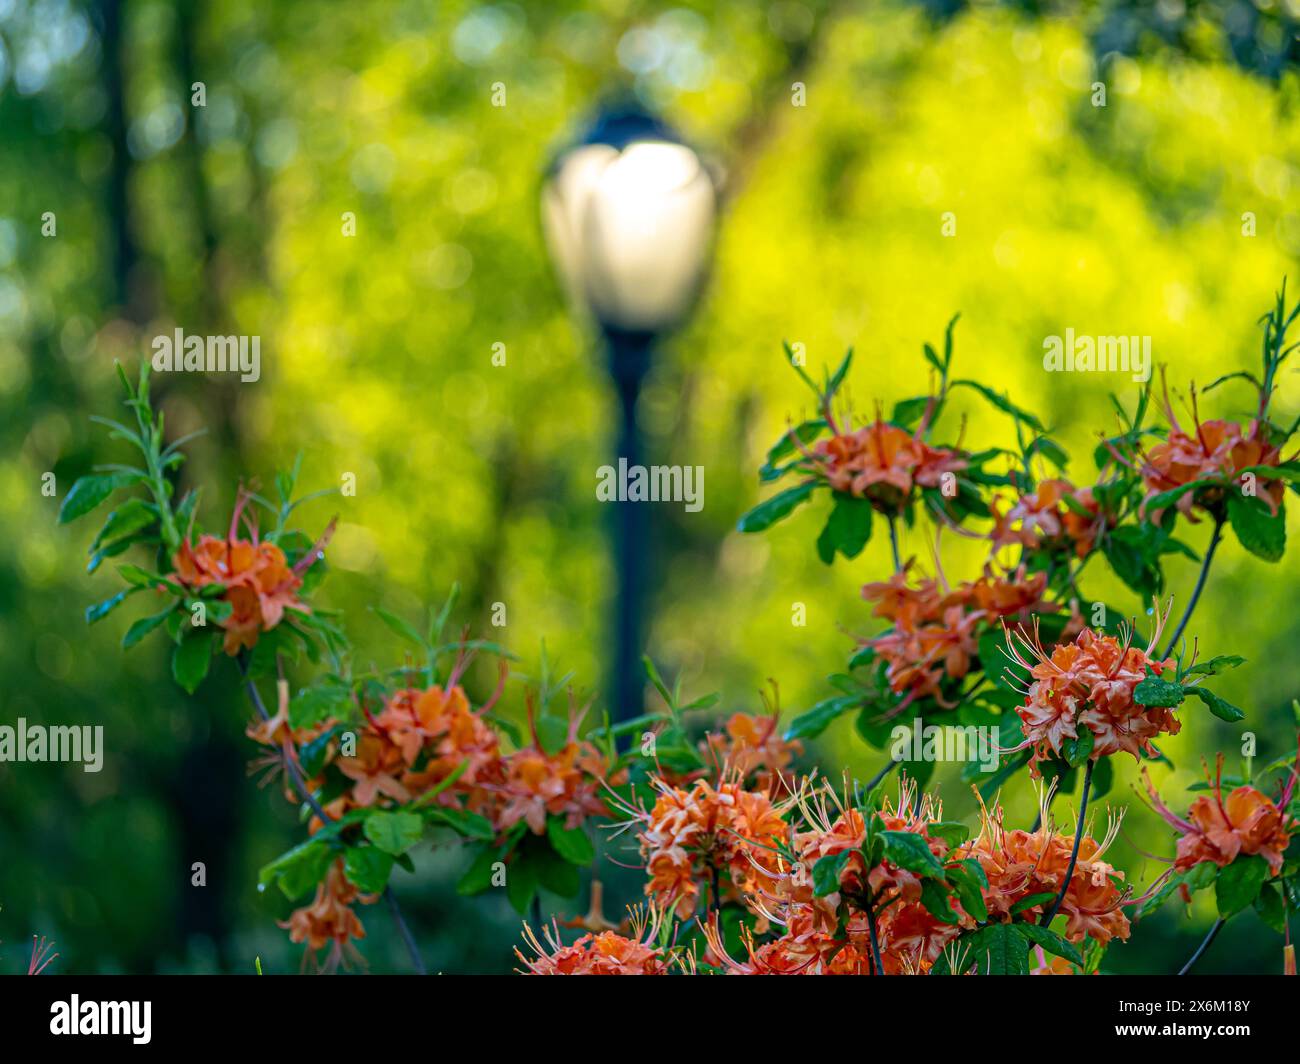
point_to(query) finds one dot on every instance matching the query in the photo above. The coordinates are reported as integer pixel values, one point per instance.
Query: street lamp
(628, 213)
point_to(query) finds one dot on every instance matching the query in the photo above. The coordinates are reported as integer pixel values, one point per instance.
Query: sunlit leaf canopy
(377, 354)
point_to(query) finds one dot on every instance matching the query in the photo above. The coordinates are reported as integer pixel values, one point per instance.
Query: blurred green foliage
(377, 348)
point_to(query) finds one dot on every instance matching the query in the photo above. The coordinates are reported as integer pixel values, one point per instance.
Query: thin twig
(300, 785)
(893, 542)
(1200, 586)
(404, 931)
(871, 783)
(1074, 852)
(1214, 931)
(879, 967)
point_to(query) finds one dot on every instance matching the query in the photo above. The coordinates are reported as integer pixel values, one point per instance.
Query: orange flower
(1019, 864)
(695, 835)
(329, 919)
(1219, 829)
(1215, 450)
(607, 953)
(883, 463)
(753, 745)
(258, 582)
(1089, 682)
(936, 636)
(1043, 519)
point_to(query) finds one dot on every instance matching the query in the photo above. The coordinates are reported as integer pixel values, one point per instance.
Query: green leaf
(1054, 453)
(1103, 778)
(847, 529)
(935, 899)
(1133, 551)
(826, 872)
(368, 868)
(1220, 707)
(814, 721)
(521, 883)
(141, 628)
(908, 412)
(190, 661)
(298, 870)
(1271, 908)
(478, 877)
(1165, 499)
(999, 949)
(88, 492)
(1201, 875)
(1051, 941)
(912, 852)
(1259, 531)
(100, 610)
(1216, 665)
(953, 832)
(465, 823)
(398, 626)
(556, 874)
(1030, 901)
(129, 518)
(1002, 403)
(570, 843)
(967, 879)
(785, 446)
(1154, 691)
(1239, 883)
(838, 378)
(1079, 749)
(779, 506)
(329, 698)
(394, 832)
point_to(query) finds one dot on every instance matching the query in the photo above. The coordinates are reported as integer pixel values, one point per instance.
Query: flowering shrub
(755, 862)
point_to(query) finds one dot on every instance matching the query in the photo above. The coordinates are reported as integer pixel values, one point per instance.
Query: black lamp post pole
(629, 357)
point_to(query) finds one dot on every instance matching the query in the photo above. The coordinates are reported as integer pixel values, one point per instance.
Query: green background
(376, 360)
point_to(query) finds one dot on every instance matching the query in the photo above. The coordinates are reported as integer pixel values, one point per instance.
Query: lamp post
(628, 212)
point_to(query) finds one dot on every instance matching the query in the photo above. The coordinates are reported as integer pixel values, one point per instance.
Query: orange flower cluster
(606, 953)
(420, 739)
(258, 582)
(911, 939)
(752, 744)
(1019, 864)
(329, 919)
(1043, 519)
(936, 631)
(699, 834)
(1217, 449)
(909, 936)
(883, 463)
(1219, 829)
(1089, 682)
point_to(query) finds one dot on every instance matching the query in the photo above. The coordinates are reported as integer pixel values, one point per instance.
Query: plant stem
(1200, 586)
(871, 783)
(300, 785)
(893, 542)
(1074, 852)
(878, 965)
(1214, 931)
(404, 931)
